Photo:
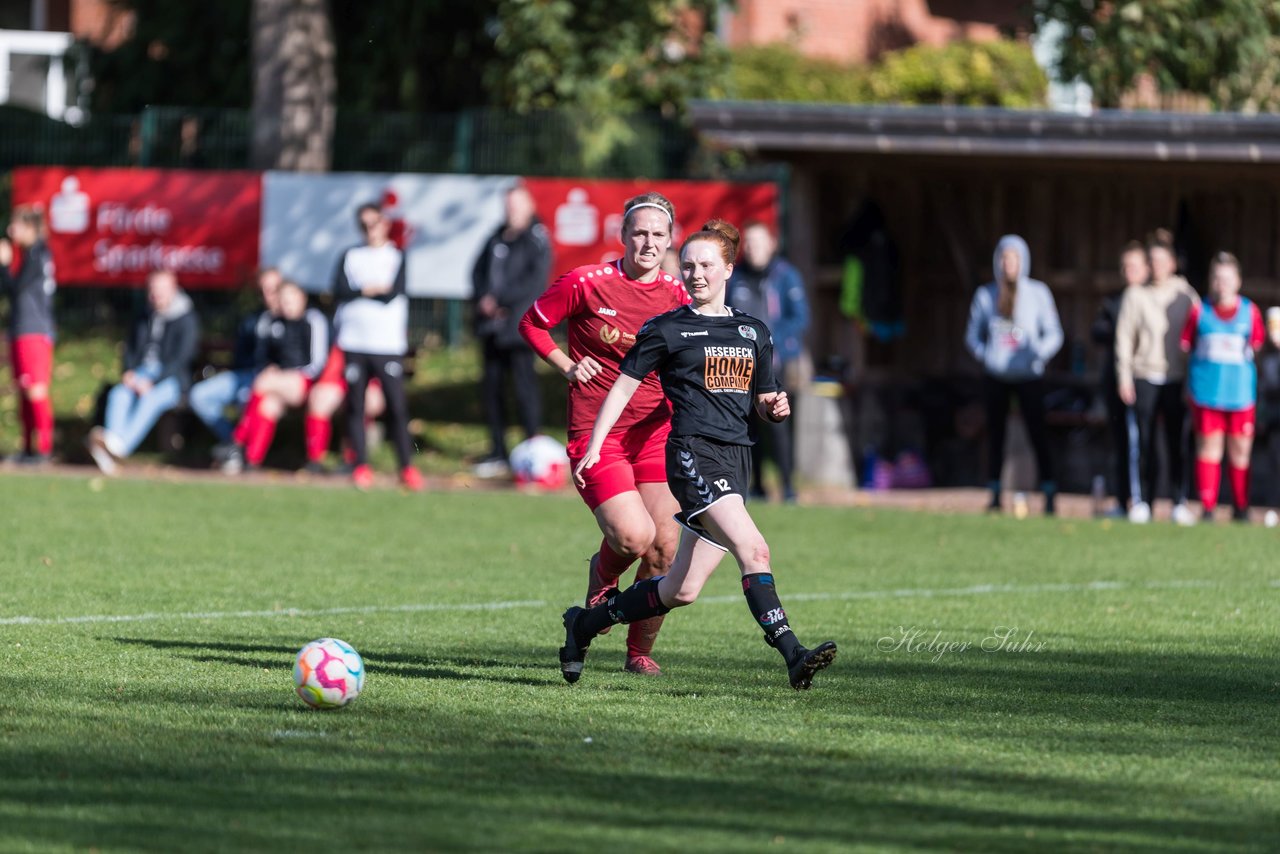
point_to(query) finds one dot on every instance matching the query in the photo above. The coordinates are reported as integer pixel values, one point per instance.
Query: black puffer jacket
(514, 273)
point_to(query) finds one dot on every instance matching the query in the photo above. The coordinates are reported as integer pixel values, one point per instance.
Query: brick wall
(860, 30)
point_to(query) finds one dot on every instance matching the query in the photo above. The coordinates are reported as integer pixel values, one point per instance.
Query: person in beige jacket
(1151, 368)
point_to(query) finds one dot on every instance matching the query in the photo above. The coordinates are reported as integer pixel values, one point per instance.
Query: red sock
(317, 431)
(612, 564)
(641, 635)
(42, 420)
(28, 422)
(1208, 476)
(1240, 485)
(244, 427)
(259, 440)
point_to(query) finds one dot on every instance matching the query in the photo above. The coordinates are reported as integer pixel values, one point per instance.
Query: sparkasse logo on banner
(114, 226)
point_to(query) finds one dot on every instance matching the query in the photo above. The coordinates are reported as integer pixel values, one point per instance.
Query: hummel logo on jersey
(694, 334)
(609, 311)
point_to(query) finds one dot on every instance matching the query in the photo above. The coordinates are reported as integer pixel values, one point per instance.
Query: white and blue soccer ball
(328, 673)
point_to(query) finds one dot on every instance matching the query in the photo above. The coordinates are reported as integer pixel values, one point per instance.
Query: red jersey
(1258, 328)
(605, 310)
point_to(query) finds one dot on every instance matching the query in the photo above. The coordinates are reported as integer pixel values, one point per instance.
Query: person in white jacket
(1014, 331)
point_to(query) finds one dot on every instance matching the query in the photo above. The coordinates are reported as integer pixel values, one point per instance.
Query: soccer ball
(329, 673)
(540, 461)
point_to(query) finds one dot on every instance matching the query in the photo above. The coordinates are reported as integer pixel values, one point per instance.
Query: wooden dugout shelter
(950, 181)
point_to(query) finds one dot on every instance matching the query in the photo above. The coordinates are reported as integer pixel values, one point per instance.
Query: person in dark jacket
(157, 371)
(1136, 271)
(27, 276)
(509, 274)
(210, 398)
(766, 286)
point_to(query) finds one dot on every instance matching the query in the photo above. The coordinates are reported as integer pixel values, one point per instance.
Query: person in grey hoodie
(157, 371)
(1014, 331)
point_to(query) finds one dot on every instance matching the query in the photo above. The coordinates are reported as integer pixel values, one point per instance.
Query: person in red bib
(605, 306)
(1222, 382)
(26, 275)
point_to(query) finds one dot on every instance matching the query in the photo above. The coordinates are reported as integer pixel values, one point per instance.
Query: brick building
(861, 31)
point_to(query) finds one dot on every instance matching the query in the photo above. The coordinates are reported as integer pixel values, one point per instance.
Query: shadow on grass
(884, 753)
(395, 664)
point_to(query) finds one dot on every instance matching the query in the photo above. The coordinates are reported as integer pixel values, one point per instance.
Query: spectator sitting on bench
(157, 371)
(209, 399)
(297, 346)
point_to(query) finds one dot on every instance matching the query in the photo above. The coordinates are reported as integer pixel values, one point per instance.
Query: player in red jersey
(605, 306)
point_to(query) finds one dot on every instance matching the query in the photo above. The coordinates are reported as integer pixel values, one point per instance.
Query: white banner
(441, 221)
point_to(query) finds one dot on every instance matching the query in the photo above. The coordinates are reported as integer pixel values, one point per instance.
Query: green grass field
(149, 630)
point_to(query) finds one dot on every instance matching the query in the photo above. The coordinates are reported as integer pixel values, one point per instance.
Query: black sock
(763, 601)
(640, 601)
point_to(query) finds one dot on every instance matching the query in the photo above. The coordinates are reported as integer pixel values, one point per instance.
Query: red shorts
(1239, 422)
(32, 360)
(334, 372)
(333, 368)
(635, 455)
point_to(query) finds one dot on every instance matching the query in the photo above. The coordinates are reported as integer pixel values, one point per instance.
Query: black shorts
(701, 472)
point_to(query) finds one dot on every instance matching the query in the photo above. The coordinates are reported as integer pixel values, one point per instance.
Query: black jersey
(300, 345)
(711, 368)
(30, 290)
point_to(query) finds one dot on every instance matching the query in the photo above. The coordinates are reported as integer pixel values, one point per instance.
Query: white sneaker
(1183, 516)
(97, 445)
(491, 468)
(1140, 513)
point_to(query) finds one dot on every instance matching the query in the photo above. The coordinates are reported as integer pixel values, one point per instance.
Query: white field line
(902, 593)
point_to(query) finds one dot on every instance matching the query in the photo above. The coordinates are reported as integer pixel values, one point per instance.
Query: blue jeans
(130, 417)
(210, 398)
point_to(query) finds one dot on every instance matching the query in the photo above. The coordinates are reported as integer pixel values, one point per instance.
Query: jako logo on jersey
(747, 332)
(694, 334)
(609, 335)
(609, 311)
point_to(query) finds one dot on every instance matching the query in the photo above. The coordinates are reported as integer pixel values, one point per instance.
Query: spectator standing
(157, 371)
(1135, 271)
(1014, 331)
(766, 286)
(27, 276)
(1222, 384)
(210, 399)
(1151, 368)
(508, 276)
(372, 323)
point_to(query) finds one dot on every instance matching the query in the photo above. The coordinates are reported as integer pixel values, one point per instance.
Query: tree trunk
(294, 85)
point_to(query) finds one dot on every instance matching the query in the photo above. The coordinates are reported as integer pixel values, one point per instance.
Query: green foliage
(778, 72)
(1146, 722)
(434, 56)
(1000, 73)
(973, 74)
(604, 56)
(1227, 50)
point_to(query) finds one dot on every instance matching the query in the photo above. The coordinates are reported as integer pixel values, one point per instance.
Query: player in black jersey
(715, 364)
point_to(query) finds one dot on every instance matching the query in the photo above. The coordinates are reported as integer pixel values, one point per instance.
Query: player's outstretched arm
(773, 405)
(610, 411)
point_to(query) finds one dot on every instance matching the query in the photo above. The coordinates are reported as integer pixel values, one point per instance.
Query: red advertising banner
(114, 226)
(585, 217)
